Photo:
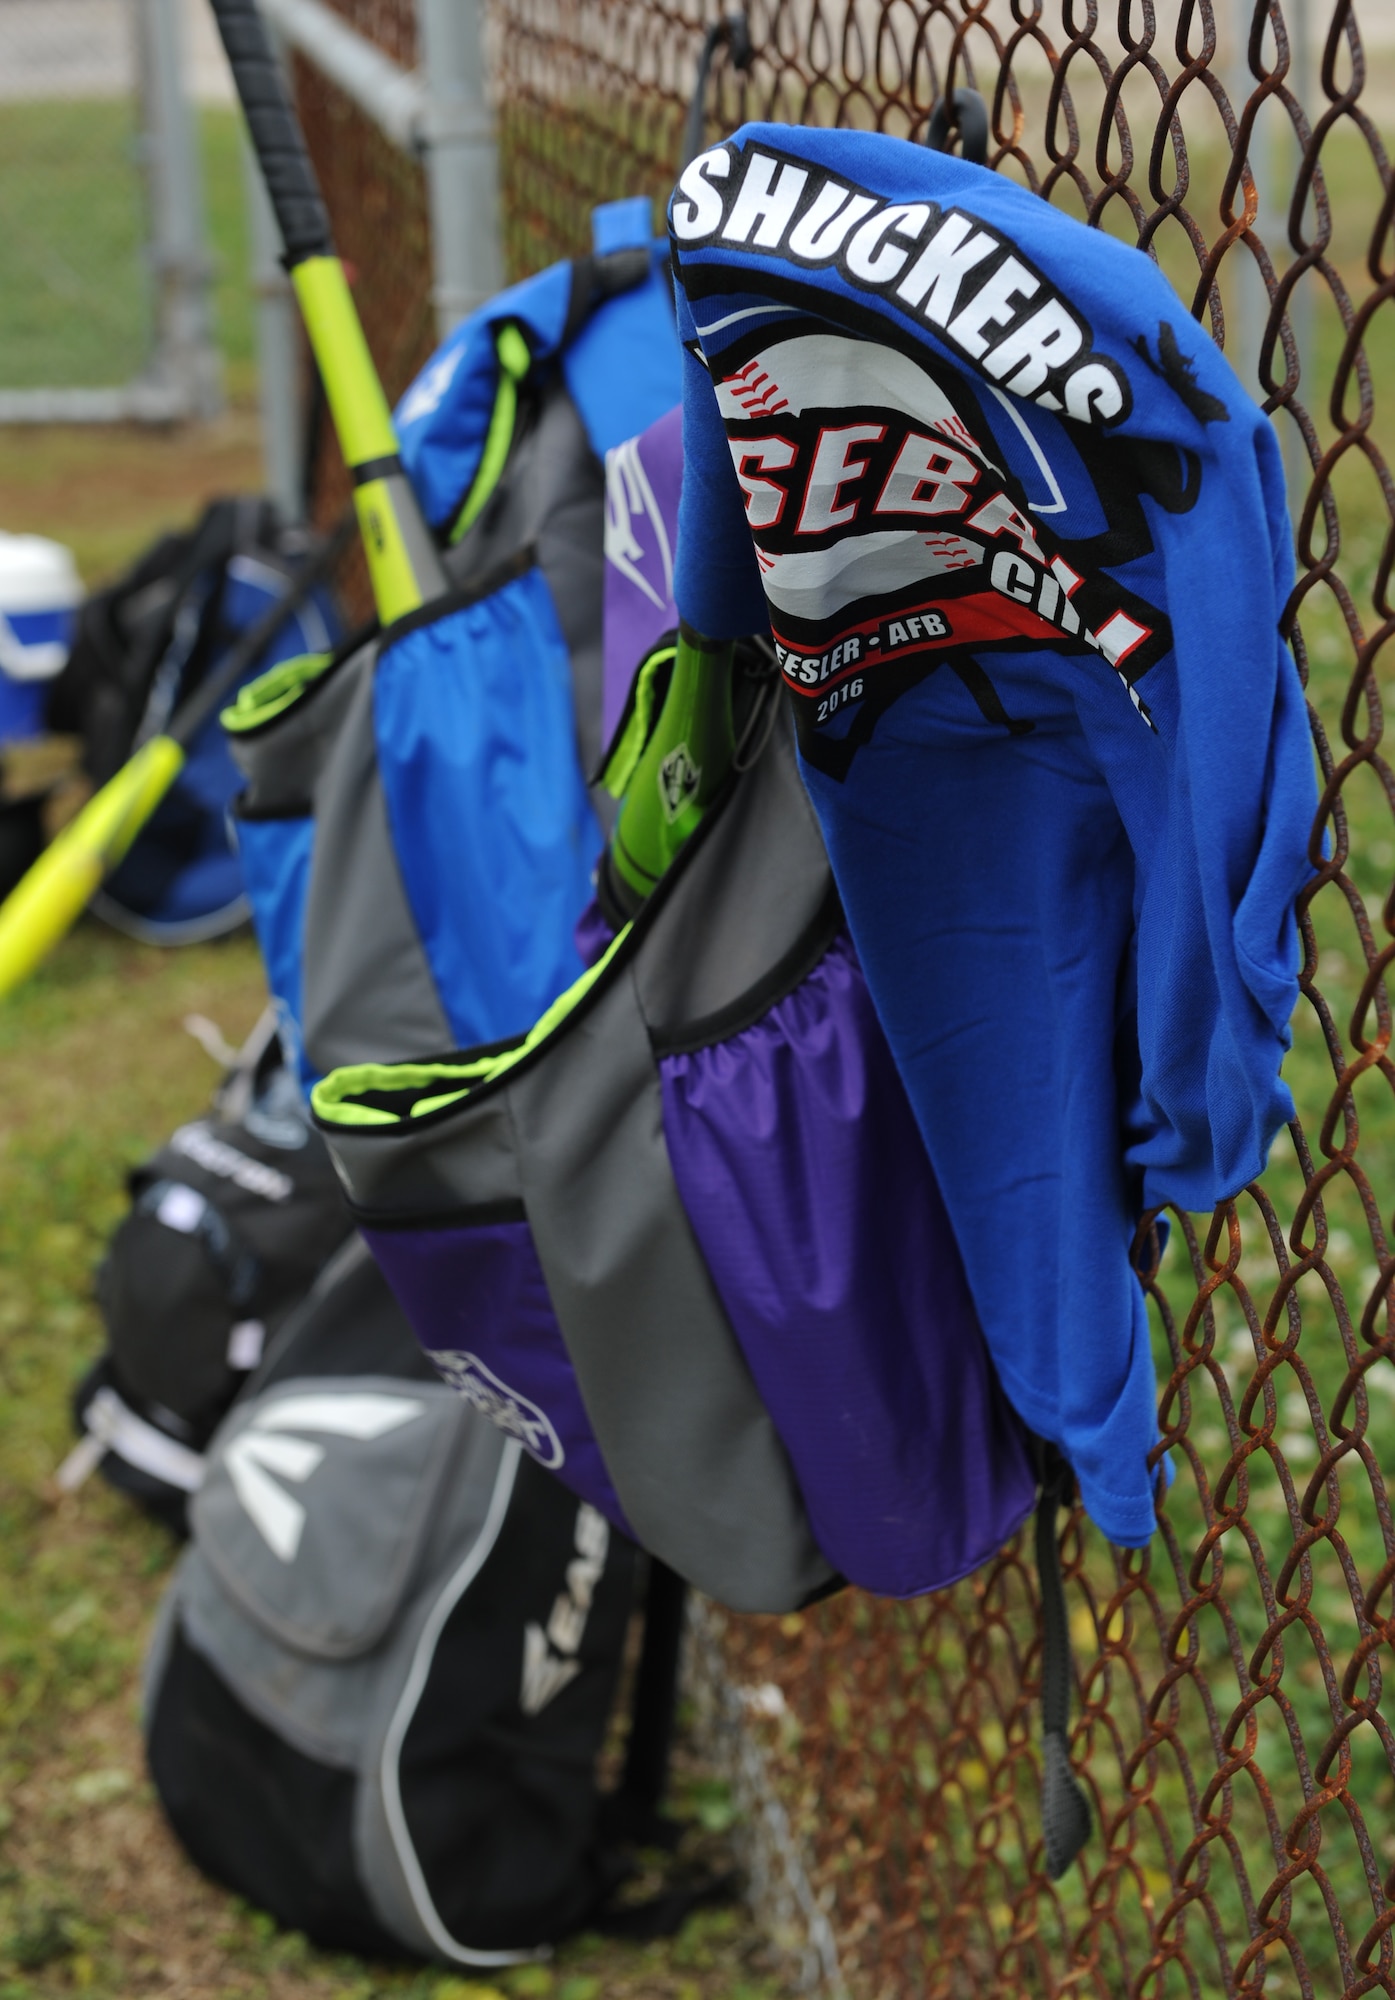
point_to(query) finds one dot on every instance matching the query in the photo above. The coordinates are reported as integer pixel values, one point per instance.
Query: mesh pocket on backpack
(494, 834)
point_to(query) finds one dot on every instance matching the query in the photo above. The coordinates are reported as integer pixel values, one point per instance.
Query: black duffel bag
(231, 1222)
(386, 1665)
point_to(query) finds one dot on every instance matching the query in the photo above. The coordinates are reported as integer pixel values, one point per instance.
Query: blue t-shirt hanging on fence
(1023, 546)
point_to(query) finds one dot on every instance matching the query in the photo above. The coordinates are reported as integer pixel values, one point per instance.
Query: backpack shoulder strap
(632, 1816)
(456, 421)
(1065, 1810)
(635, 1810)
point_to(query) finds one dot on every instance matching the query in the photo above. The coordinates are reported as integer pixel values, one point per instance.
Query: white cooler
(40, 592)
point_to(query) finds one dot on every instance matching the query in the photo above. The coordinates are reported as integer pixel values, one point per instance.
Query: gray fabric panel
(157, 1652)
(688, 1443)
(571, 555)
(749, 896)
(282, 761)
(315, 1706)
(338, 1710)
(476, 1509)
(461, 1163)
(368, 995)
(349, 1468)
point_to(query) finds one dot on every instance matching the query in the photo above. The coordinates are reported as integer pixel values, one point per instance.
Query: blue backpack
(416, 830)
(143, 646)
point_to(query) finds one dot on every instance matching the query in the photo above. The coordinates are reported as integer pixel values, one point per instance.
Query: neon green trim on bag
(616, 776)
(332, 1097)
(273, 692)
(515, 359)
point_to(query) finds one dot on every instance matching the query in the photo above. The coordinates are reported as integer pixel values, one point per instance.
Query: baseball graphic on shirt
(887, 530)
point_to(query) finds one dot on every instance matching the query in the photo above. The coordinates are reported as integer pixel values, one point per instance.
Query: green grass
(225, 204)
(73, 299)
(74, 281)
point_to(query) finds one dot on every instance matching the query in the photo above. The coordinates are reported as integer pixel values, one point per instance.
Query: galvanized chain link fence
(75, 293)
(1232, 1723)
(104, 270)
(377, 200)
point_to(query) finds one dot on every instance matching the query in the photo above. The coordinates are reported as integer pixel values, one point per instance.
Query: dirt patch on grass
(108, 493)
(102, 1898)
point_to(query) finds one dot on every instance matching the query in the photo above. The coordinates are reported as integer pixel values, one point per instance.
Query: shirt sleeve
(716, 579)
(1217, 941)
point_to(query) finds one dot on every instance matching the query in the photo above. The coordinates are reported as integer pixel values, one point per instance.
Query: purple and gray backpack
(682, 1239)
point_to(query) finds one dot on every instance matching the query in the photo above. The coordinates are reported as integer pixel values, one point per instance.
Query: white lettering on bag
(216, 1156)
(264, 1449)
(514, 1414)
(549, 1657)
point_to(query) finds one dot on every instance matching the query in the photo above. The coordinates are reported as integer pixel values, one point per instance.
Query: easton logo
(215, 1156)
(514, 1414)
(267, 1452)
(424, 397)
(550, 1660)
(943, 268)
(629, 505)
(679, 778)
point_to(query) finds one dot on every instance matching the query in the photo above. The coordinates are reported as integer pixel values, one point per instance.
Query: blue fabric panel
(495, 837)
(624, 368)
(622, 225)
(183, 868)
(275, 855)
(442, 420)
(21, 707)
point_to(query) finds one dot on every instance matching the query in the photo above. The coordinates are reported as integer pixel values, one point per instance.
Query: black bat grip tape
(276, 135)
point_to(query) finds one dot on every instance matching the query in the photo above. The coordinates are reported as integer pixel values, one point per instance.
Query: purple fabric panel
(810, 1192)
(479, 1304)
(593, 934)
(642, 478)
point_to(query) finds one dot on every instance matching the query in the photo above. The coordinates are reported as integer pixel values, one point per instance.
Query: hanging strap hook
(733, 32)
(968, 116)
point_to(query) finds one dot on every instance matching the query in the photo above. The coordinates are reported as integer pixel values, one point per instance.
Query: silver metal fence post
(186, 360)
(462, 165)
(278, 351)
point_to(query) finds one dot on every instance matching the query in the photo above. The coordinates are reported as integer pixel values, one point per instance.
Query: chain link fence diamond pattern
(1233, 1724)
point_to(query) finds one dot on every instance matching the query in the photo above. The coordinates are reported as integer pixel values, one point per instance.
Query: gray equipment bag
(231, 1221)
(559, 1166)
(683, 1238)
(416, 831)
(384, 1667)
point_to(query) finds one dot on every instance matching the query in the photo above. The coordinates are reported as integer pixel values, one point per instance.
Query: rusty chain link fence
(377, 202)
(1232, 1723)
